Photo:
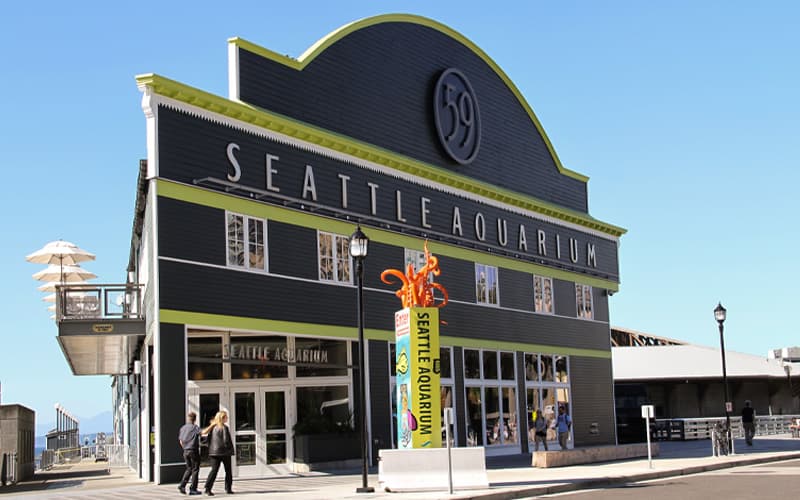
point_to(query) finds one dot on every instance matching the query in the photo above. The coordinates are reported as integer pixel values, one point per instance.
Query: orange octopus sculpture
(417, 291)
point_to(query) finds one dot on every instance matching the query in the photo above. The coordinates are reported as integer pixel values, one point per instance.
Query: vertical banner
(419, 419)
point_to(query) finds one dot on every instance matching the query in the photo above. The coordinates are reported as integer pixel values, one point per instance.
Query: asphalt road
(779, 480)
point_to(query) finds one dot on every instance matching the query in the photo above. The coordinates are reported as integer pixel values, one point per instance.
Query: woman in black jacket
(220, 449)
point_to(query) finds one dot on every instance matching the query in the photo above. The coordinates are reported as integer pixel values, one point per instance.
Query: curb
(617, 480)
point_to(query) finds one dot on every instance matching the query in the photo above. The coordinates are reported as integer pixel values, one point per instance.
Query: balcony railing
(98, 302)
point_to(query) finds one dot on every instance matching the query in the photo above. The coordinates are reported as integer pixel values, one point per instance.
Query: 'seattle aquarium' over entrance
(240, 242)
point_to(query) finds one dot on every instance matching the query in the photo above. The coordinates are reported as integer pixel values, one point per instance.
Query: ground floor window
(270, 385)
(490, 394)
(546, 389)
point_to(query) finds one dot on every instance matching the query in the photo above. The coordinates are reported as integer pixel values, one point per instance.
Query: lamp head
(719, 313)
(358, 244)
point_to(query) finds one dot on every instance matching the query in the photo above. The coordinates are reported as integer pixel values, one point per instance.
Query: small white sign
(728, 406)
(648, 411)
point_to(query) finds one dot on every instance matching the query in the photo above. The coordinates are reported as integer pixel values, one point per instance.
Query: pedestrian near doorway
(540, 430)
(189, 438)
(748, 422)
(220, 451)
(563, 425)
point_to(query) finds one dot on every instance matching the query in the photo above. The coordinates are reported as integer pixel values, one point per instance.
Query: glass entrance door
(244, 426)
(274, 417)
(259, 426)
(205, 403)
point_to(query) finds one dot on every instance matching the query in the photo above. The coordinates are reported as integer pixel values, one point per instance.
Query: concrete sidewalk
(510, 477)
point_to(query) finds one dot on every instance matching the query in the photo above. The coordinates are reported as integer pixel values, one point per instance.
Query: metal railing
(118, 455)
(47, 459)
(98, 301)
(683, 429)
(8, 469)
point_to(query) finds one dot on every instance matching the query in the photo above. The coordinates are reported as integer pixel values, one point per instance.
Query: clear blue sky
(684, 115)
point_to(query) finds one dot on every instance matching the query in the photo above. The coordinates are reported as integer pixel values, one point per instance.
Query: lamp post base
(365, 489)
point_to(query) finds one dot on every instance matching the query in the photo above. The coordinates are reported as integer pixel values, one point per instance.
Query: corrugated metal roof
(690, 362)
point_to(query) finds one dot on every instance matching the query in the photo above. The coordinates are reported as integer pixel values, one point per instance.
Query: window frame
(487, 295)
(335, 258)
(540, 308)
(246, 221)
(561, 391)
(580, 301)
(499, 383)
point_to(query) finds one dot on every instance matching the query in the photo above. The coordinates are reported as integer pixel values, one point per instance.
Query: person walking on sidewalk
(220, 450)
(189, 438)
(748, 422)
(563, 425)
(539, 430)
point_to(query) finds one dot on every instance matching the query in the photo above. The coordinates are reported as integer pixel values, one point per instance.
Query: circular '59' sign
(458, 121)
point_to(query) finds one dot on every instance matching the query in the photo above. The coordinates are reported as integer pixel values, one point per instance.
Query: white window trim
(552, 295)
(484, 383)
(335, 261)
(497, 281)
(581, 306)
(246, 267)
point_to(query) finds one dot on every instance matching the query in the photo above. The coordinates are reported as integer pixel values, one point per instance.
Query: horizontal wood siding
(171, 393)
(191, 232)
(486, 322)
(516, 289)
(376, 86)
(600, 304)
(192, 148)
(564, 298)
(381, 410)
(459, 399)
(293, 250)
(592, 400)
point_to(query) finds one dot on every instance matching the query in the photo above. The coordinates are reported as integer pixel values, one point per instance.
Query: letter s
(237, 170)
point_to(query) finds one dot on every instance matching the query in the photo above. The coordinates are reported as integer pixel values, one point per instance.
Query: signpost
(448, 421)
(648, 412)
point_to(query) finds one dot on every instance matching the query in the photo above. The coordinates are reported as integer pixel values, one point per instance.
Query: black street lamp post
(358, 250)
(719, 315)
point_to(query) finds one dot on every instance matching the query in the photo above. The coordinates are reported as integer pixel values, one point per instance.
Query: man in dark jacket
(189, 438)
(748, 422)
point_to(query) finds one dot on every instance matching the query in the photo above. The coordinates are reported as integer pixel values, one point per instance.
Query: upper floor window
(583, 299)
(486, 284)
(416, 259)
(246, 244)
(543, 294)
(334, 257)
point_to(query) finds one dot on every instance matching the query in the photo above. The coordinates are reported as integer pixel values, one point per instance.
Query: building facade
(244, 209)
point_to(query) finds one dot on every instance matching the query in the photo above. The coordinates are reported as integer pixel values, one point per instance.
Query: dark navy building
(240, 244)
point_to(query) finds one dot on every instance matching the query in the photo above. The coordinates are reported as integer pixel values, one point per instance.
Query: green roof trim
(318, 330)
(223, 201)
(322, 44)
(287, 126)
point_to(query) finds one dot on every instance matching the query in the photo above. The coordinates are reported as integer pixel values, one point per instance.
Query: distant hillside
(102, 422)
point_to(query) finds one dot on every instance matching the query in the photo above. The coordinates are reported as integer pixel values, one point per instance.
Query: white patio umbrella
(49, 298)
(60, 252)
(64, 274)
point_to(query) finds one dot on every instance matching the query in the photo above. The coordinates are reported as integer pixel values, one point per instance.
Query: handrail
(702, 428)
(106, 301)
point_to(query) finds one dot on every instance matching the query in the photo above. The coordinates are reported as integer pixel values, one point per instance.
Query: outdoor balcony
(99, 326)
